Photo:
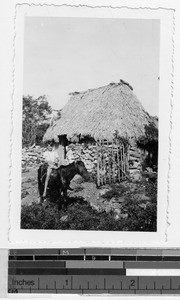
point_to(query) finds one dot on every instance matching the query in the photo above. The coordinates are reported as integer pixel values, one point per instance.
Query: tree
(36, 114)
(149, 143)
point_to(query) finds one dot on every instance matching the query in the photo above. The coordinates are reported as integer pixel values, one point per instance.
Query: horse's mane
(66, 166)
(77, 162)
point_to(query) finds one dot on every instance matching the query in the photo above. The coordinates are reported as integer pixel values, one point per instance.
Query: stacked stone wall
(33, 156)
(135, 162)
(88, 154)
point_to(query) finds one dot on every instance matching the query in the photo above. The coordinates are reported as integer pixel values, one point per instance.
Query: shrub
(36, 216)
(116, 191)
(80, 216)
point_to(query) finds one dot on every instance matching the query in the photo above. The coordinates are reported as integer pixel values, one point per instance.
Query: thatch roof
(101, 112)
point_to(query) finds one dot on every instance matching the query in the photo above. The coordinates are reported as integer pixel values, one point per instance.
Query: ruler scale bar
(153, 272)
(59, 257)
(82, 291)
(94, 271)
(93, 251)
(97, 257)
(152, 265)
(95, 264)
(60, 271)
(171, 258)
(118, 257)
(22, 257)
(105, 282)
(149, 258)
(37, 264)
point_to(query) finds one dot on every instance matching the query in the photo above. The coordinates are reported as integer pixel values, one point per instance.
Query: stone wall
(88, 154)
(33, 156)
(135, 162)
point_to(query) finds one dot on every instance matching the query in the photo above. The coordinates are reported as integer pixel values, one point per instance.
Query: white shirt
(51, 157)
(57, 156)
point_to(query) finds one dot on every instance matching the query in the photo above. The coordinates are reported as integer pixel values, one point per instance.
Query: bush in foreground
(80, 216)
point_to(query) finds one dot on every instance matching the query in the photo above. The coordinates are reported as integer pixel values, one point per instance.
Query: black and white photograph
(90, 124)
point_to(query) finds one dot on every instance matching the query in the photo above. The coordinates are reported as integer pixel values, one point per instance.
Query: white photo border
(69, 238)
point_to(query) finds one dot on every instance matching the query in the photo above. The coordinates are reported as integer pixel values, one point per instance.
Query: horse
(60, 178)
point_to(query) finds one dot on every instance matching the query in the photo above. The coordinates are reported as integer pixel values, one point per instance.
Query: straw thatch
(99, 113)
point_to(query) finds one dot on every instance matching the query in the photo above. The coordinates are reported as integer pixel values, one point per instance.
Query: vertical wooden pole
(105, 155)
(109, 162)
(101, 158)
(127, 160)
(118, 162)
(97, 148)
(102, 161)
(105, 162)
(101, 164)
(101, 179)
(115, 161)
(113, 166)
(123, 161)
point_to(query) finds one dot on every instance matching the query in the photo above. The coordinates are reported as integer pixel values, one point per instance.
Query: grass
(135, 215)
(116, 191)
(83, 217)
(80, 216)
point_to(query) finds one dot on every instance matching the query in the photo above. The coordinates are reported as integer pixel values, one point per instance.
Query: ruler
(94, 271)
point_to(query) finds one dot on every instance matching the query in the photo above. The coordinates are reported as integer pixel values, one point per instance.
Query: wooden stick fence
(112, 162)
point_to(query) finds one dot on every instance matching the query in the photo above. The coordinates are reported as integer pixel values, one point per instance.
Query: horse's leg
(64, 189)
(65, 197)
(60, 200)
(41, 195)
(41, 199)
(40, 186)
(65, 193)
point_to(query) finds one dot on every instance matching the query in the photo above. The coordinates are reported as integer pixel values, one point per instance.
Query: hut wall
(88, 154)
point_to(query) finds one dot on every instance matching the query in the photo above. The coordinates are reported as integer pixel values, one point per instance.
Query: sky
(64, 55)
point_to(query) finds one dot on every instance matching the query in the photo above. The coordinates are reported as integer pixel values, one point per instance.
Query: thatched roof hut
(99, 113)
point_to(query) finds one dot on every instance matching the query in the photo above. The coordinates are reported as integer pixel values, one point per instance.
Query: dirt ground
(29, 186)
(125, 206)
(107, 198)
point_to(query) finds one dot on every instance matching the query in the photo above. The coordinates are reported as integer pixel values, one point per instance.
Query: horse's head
(81, 170)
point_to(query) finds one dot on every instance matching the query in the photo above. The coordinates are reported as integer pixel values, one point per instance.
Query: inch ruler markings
(96, 271)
